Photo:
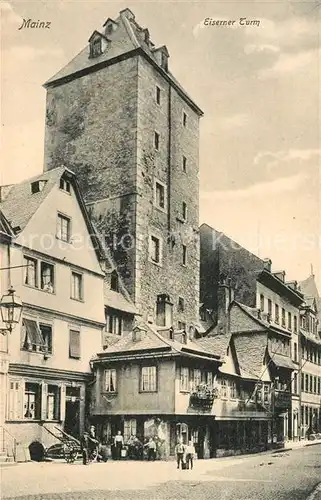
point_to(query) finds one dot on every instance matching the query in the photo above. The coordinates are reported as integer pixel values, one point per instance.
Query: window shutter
(33, 333)
(43, 392)
(62, 402)
(74, 344)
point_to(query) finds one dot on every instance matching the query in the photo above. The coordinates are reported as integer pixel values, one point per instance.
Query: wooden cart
(71, 448)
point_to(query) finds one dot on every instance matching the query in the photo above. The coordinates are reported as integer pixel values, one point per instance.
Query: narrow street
(291, 475)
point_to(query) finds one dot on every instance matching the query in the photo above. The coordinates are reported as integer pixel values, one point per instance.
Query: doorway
(72, 411)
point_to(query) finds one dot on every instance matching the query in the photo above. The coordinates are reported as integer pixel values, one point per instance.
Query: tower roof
(126, 40)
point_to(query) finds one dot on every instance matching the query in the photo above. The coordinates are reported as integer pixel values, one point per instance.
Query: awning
(283, 361)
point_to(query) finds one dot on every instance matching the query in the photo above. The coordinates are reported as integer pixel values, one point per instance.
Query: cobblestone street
(290, 475)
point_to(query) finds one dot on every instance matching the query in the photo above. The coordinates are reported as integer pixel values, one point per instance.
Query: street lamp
(11, 309)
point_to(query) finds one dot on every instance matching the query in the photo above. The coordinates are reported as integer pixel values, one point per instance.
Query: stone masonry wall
(165, 165)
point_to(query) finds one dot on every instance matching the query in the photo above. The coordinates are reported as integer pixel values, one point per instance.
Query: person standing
(190, 454)
(180, 450)
(151, 448)
(119, 443)
(84, 443)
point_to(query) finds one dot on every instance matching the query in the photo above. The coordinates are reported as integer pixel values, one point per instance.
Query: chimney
(164, 310)
(225, 295)
(139, 333)
(267, 264)
(161, 55)
(128, 14)
(280, 275)
(292, 284)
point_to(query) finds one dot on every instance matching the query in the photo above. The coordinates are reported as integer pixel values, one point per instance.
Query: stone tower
(118, 118)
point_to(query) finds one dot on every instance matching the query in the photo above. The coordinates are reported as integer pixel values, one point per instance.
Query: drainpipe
(169, 173)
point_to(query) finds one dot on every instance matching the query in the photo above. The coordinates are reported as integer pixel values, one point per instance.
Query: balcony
(202, 397)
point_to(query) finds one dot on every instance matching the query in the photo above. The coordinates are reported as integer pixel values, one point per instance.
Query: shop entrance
(72, 411)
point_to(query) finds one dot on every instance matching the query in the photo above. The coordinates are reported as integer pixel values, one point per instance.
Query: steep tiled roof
(117, 301)
(262, 320)
(127, 37)
(153, 340)
(309, 289)
(5, 228)
(20, 204)
(282, 361)
(216, 344)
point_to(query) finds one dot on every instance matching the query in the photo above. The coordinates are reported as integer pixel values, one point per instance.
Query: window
(181, 325)
(233, 390)
(184, 119)
(184, 163)
(277, 313)
(32, 339)
(74, 344)
(311, 384)
(53, 403)
(184, 255)
(110, 380)
(306, 382)
(295, 357)
(114, 324)
(224, 388)
(314, 385)
(181, 304)
(155, 249)
(295, 383)
(114, 281)
(15, 399)
(158, 95)
(262, 302)
(37, 186)
(156, 141)
(266, 392)
(76, 286)
(197, 377)
(283, 318)
(210, 379)
(184, 211)
(64, 185)
(302, 382)
(63, 228)
(46, 332)
(289, 321)
(159, 195)
(32, 401)
(30, 272)
(148, 379)
(130, 427)
(184, 381)
(319, 385)
(295, 324)
(164, 61)
(95, 47)
(270, 307)
(47, 277)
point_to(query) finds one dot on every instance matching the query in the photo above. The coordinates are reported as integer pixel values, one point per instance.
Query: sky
(259, 88)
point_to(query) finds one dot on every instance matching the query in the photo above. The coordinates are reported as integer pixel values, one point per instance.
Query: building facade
(118, 117)
(55, 266)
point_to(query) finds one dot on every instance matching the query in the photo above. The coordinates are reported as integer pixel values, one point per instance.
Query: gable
(230, 366)
(41, 230)
(240, 321)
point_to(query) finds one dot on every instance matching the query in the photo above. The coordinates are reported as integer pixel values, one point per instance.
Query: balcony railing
(203, 396)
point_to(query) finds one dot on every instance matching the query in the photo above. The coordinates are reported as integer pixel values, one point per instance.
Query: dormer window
(64, 185)
(37, 186)
(164, 61)
(114, 282)
(95, 47)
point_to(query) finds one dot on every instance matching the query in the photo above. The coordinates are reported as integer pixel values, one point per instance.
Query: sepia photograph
(160, 233)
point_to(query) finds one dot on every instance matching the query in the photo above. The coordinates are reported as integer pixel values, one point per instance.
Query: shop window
(32, 401)
(53, 402)
(130, 427)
